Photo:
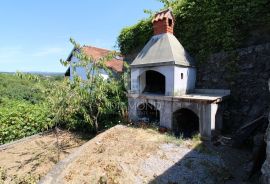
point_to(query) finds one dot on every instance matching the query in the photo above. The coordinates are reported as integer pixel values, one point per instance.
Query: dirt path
(29, 160)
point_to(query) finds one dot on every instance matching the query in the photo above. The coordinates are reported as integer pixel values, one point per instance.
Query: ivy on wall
(203, 26)
(134, 37)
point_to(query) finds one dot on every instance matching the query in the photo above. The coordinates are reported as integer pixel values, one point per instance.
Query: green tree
(93, 103)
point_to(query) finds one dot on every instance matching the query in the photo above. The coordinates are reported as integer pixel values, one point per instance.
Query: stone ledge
(5, 146)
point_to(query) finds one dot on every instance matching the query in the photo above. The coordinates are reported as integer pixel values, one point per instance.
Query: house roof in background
(116, 64)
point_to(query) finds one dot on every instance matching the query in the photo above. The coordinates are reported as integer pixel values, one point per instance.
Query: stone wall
(266, 165)
(247, 78)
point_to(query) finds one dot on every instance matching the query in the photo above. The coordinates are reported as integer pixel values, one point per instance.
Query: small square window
(182, 75)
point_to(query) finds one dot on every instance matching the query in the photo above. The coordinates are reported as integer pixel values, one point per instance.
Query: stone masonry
(266, 165)
(248, 83)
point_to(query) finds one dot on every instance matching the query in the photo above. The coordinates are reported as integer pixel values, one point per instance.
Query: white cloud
(48, 51)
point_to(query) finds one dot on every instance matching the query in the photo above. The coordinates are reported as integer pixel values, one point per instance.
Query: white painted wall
(81, 72)
(175, 86)
(185, 84)
(138, 78)
(142, 81)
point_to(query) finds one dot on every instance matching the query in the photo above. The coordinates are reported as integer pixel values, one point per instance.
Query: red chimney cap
(163, 14)
(163, 22)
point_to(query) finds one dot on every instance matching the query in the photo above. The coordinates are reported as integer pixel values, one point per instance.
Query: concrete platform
(206, 104)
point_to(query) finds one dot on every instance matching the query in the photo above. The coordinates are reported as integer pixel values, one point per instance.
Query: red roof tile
(116, 64)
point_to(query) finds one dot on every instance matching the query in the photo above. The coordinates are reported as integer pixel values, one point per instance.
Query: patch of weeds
(168, 138)
(221, 173)
(101, 149)
(198, 145)
(196, 140)
(27, 179)
(113, 173)
(3, 175)
(141, 125)
(164, 157)
(201, 148)
(103, 180)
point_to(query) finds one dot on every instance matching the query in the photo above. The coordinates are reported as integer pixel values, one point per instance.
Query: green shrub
(14, 87)
(24, 107)
(20, 119)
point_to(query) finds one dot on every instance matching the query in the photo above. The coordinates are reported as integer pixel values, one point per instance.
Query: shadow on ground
(208, 164)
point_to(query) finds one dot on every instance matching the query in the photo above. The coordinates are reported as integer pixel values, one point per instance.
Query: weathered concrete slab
(207, 107)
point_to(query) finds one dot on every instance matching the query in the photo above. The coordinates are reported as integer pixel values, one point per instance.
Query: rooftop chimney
(163, 22)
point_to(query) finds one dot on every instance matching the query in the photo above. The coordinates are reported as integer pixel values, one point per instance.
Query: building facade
(163, 78)
(116, 64)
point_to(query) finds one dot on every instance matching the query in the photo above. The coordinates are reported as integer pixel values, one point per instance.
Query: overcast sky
(34, 35)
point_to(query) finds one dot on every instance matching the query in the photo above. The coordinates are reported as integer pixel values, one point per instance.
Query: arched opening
(148, 113)
(154, 83)
(185, 123)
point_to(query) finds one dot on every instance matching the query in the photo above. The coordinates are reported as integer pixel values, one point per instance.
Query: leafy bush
(13, 87)
(19, 119)
(24, 107)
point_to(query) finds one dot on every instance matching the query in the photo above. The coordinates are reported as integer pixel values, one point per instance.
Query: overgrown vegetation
(24, 110)
(21, 119)
(92, 104)
(15, 88)
(203, 27)
(30, 104)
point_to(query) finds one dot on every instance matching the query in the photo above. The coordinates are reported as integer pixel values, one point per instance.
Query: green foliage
(14, 87)
(19, 119)
(134, 37)
(3, 175)
(202, 26)
(30, 104)
(24, 108)
(91, 104)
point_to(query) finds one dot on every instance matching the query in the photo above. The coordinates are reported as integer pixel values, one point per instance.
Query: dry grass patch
(27, 161)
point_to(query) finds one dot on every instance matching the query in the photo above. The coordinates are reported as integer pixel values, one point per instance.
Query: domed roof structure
(163, 48)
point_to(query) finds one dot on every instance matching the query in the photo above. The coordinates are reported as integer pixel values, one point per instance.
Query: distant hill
(40, 73)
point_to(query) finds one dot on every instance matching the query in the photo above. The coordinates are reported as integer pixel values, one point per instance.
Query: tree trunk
(96, 121)
(96, 124)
